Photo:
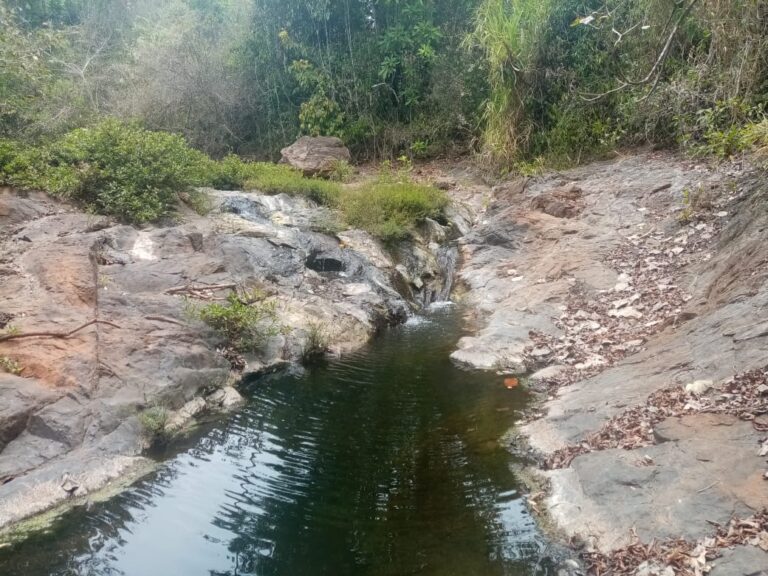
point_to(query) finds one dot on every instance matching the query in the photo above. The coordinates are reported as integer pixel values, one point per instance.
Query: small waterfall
(446, 258)
(440, 283)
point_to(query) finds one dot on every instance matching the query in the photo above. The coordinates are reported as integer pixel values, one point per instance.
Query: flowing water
(385, 463)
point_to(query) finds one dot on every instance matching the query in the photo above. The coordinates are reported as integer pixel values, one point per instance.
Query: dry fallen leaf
(511, 382)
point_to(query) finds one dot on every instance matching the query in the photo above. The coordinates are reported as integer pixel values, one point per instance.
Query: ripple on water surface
(384, 463)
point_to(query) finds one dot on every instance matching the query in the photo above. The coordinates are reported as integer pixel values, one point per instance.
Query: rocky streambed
(112, 303)
(635, 292)
(631, 292)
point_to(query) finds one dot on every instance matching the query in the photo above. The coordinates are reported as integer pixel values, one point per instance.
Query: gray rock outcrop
(74, 407)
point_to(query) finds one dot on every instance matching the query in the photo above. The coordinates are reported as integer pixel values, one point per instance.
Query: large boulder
(315, 155)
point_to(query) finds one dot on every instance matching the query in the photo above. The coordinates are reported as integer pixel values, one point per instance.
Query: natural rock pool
(387, 462)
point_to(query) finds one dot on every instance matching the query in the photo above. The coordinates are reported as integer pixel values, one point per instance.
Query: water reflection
(384, 464)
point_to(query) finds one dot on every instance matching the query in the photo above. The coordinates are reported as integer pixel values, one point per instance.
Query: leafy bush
(112, 168)
(390, 210)
(246, 322)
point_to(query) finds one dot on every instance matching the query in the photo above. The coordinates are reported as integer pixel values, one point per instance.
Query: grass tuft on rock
(390, 210)
(154, 421)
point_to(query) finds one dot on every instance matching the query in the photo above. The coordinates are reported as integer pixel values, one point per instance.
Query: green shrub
(390, 210)
(113, 168)
(246, 322)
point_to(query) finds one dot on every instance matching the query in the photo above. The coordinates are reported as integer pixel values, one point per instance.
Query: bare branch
(61, 335)
(655, 72)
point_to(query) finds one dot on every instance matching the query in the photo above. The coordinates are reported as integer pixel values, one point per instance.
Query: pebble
(627, 312)
(699, 387)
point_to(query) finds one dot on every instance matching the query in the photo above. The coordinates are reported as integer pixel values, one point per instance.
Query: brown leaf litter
(600, 329)
(744, 395)
(678, 557)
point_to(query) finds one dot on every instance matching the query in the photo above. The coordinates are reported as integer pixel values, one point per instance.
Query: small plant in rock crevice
(695, 201)
(11, 330)
(153, 422)
(246, 320)
(10, 366)
(315, 344)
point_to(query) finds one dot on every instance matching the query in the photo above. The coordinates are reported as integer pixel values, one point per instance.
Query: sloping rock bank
(636, 292)
(69, 420)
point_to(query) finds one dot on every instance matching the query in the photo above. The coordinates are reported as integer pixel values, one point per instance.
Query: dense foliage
(247, 75)
(518, 79)
(137, 175)
(571, 78)
(112, 168)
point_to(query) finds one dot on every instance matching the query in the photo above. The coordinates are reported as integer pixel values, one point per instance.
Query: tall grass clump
(233, 172)
(390, 210)
(507, 33)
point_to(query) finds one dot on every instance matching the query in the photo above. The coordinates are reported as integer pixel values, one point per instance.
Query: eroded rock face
(74, 407)
(562, 202)
(315, 155)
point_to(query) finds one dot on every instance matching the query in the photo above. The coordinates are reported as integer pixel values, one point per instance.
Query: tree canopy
(517, 79)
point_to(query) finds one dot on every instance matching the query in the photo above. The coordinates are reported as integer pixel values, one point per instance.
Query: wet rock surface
(73, 410)
(610, 288)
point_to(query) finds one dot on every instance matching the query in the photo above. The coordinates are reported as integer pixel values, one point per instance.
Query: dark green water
(385, 463)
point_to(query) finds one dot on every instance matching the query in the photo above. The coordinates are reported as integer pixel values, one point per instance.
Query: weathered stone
(315, 155)
(186, 413)
(706, 458)
(699, 387)
(546, 373)
(561, 202)
(225, 398)
(718, 329)
(741, 561)
(19, 398)
(82, 393)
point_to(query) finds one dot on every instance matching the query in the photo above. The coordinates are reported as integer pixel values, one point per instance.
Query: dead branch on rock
(60, 335)
(164, 319)
(201, 292)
